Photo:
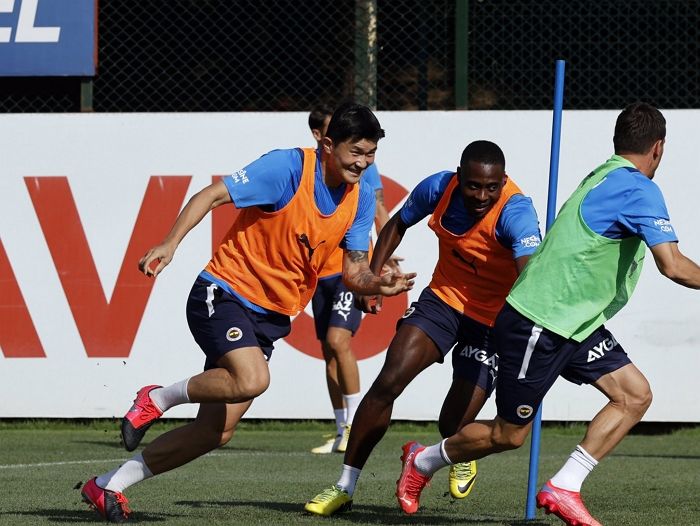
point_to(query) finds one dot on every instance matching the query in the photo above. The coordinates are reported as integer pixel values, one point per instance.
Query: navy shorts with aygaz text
(531, 358)
(333, 305)
(473, 359)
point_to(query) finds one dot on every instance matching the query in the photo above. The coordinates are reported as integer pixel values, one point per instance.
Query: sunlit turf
(266, 473)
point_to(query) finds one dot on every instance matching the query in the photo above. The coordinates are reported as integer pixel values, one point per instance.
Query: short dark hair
(637, 128)
(355, 122)
(484, 152)
(318, 116)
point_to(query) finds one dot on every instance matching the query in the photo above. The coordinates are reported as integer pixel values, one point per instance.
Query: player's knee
(387, 388)
(217, 438)
(247, 385)
(637, 402)
(249, 388)
(338, 343)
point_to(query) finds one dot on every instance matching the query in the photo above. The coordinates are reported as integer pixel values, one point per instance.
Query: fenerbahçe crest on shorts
(234, 334)
(524, 411)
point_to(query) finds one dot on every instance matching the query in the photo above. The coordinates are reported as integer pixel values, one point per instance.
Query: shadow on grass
(80, 516)
(364, 513)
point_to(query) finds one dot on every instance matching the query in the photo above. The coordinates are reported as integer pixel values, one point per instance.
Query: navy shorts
(532, 358)
(220, 323)
(474, 358)
(333, 305)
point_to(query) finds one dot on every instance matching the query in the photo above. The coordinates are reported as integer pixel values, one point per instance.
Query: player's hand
(162, 254)
(392, 265)
(396, 282)
(369, 304)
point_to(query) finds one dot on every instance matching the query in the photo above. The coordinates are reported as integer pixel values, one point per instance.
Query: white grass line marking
(64, 463)
(123, 459)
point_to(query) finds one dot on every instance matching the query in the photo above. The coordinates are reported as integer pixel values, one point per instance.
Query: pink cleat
(567, 505)
(111, 505)
(139, 418)
(411, 482)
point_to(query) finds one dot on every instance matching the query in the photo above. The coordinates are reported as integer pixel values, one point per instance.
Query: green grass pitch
(266, 473)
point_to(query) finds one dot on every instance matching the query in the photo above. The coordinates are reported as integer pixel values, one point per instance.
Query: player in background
(486, 230)
(552, 324)
(296, 209)
(336, 317)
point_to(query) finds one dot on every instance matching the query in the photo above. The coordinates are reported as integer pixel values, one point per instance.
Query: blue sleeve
(264, 181)
(372, 177)
(645, 215)
(357, 236)
(424, 198)
(518, 228)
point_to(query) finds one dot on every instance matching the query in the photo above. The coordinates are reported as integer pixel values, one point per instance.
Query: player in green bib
(582, 274)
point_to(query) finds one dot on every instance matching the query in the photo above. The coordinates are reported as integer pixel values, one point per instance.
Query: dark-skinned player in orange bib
(486, 230)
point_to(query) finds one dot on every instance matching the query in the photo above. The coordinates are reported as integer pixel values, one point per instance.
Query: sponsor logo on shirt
(304, 240)
(471, 264)
(531, 242)
(240, 176)
(664, 225)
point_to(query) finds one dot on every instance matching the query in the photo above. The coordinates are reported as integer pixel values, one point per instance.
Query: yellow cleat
(343, 444)
(331, 446)
(329, 501)
(462, 478)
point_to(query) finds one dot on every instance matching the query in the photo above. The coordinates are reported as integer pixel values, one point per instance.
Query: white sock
(339, 420)
(432, 458)
(129, 473)
(351, 403)
(348, 479)
(167, 397)
(574, 472)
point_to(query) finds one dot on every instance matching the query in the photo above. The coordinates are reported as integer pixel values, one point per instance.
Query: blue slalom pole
(551, 213)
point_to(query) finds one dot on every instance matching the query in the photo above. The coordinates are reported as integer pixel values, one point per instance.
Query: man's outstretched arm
(358, 277)
(196, 208)
(675, 266)
(390, 237)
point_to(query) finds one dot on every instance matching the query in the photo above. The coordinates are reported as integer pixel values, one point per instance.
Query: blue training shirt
(517, 227)
(371, 176)
(271, 181)
(627, 203)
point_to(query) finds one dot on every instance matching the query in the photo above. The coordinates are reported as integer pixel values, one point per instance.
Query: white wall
(108, 159)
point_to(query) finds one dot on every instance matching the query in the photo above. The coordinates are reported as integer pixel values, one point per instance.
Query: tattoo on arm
(357, 255)
(365, 279)
(379, 194)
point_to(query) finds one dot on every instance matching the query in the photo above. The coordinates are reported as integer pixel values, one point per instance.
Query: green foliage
(266, 473)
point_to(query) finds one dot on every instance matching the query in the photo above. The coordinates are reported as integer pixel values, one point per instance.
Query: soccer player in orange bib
(487, 230)
(296, 208)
